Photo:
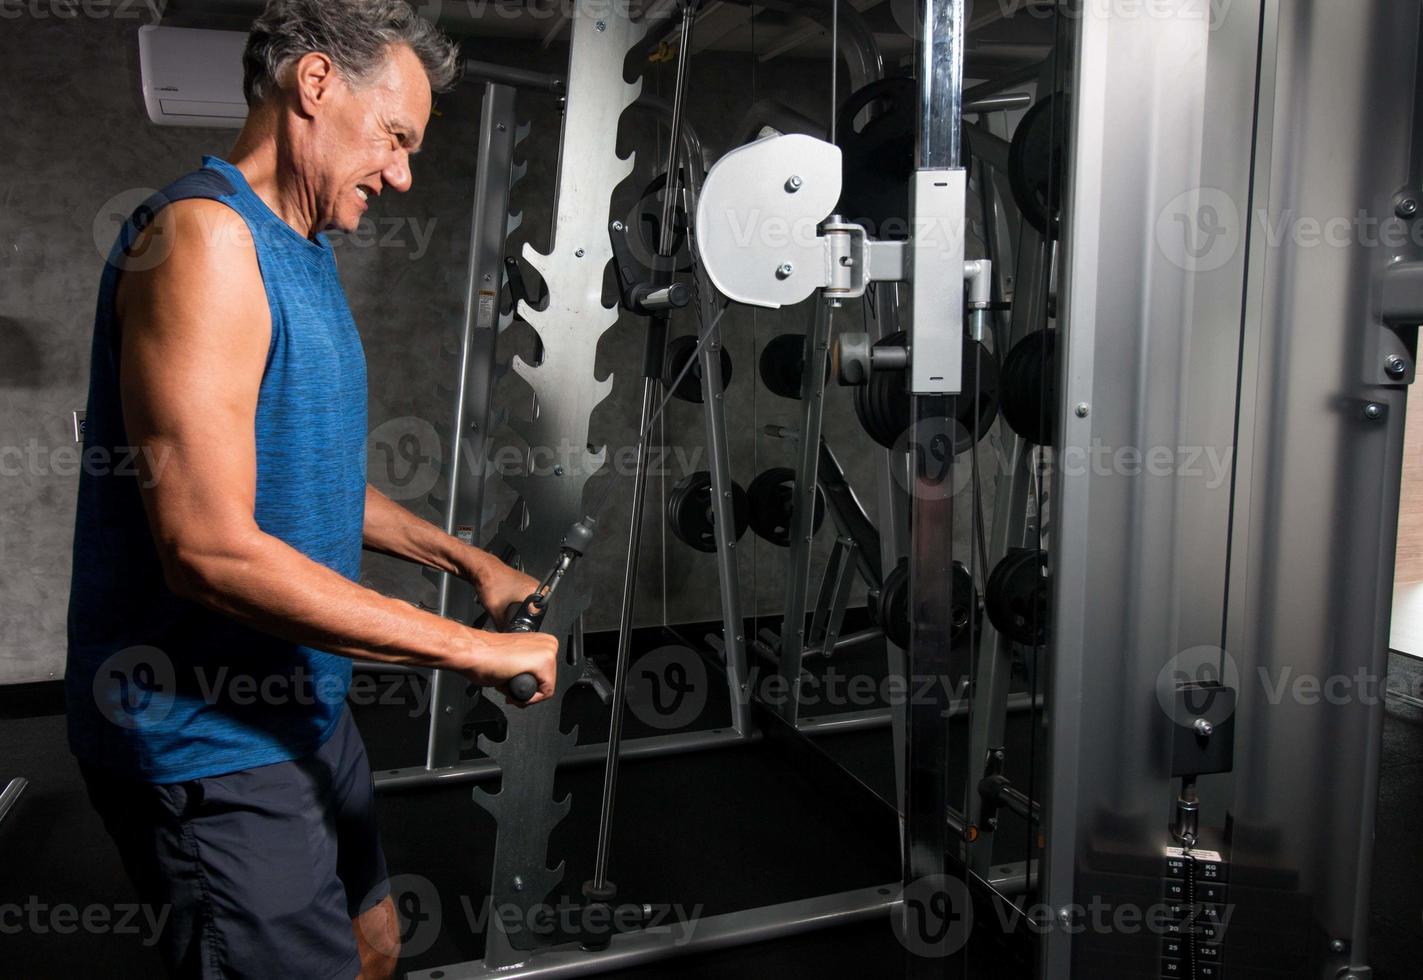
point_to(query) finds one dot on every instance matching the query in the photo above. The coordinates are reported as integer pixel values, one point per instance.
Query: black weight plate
(1036, 162)
(882, 403)
(893, 613)
(1028, 387)
(894, 605)
(771, 495)
(782, 364)
(879, 156)
(689, 389)
(691, 517)
(1018, 596)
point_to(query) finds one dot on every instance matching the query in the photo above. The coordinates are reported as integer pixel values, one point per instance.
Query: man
(214, 603)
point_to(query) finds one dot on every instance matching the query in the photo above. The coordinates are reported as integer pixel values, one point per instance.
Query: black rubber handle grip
(527, 620)
(523, 687)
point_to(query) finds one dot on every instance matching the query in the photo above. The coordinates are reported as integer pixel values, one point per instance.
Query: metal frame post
(469, 430)
(934, 374)
(803, 513)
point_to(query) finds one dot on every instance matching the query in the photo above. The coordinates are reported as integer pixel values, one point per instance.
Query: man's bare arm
(393, 530)
(195, 335)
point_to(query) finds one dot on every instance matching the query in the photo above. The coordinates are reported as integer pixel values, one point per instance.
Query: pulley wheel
(893, 613)
(772, 498)
(690, 513)
(1018, 596)
(882, 403)
(1028, 387)
(689, 389)
(1036, 162)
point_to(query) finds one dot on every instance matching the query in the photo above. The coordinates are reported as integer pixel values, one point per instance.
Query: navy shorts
(261, 870)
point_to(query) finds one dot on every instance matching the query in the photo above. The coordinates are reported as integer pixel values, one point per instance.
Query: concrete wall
(79, 151)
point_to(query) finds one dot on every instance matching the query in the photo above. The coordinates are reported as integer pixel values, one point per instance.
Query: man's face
(363, 139)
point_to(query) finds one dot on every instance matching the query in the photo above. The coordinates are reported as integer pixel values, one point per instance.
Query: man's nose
(397, 175)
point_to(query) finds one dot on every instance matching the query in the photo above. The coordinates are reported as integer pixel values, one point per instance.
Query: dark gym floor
(729, 828)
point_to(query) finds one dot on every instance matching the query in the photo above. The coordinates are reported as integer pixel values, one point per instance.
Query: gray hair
(355, 34)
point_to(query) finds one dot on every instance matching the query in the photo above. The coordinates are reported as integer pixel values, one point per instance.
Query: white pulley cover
(758, 217)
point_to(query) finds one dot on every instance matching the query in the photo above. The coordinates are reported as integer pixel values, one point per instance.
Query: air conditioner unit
(192, 77)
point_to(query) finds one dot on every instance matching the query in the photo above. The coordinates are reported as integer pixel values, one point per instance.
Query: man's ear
(313, 80)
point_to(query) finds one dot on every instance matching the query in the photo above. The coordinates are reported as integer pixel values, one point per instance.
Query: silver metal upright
(932, 672)
(467, 438)
(569, 328)
(651, 392)
(993, 673)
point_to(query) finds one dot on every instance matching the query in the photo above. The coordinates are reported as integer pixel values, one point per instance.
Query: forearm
(392, 530)
(263, 582)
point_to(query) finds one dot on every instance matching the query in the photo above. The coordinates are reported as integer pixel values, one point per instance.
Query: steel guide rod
(926, 840)
(651, 388)
(793, 637)
(733, 623)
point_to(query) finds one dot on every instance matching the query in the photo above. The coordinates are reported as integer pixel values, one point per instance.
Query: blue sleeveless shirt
(163, 689)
